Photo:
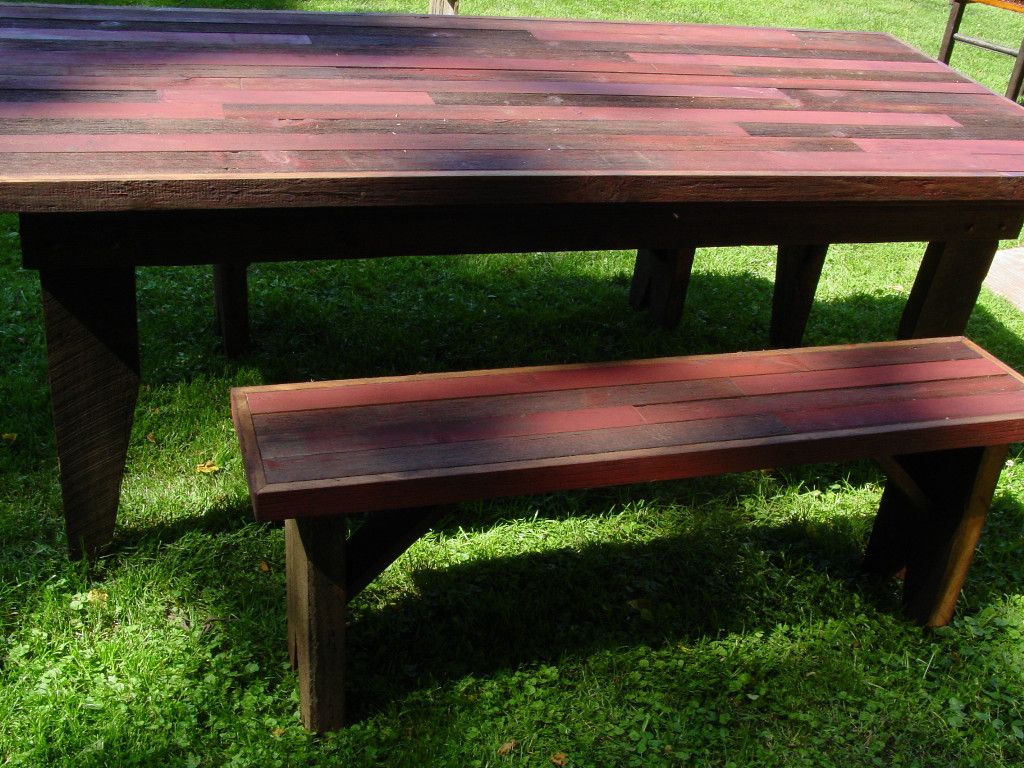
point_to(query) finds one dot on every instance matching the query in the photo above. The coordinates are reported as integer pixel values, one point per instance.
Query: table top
(106, 108)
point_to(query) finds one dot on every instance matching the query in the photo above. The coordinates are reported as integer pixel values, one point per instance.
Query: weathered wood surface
(93, 359)
(933, 542)
(231, 305)
(129, 108)
(938, 414)
(356, 446)
(315, 562)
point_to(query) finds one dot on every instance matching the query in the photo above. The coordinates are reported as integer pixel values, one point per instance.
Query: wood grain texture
(797, 271)
(315, 563)
(360, 446)
(946, 287)
(231, 305)
(241, 109)
(93, 360)
(933, 544)
(661, 277)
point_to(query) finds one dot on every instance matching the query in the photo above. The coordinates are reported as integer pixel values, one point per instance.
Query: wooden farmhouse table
(139, 136)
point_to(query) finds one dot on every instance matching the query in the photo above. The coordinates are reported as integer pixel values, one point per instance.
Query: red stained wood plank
(686, 59)
(972, 147)
(385, 140)
(490, 383)
(185, 88)
(752, 116)
(398, 460)
(866, 377)
(580, 162)
(250, 96)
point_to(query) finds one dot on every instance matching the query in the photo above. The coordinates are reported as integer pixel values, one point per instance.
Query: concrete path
(1006, 276)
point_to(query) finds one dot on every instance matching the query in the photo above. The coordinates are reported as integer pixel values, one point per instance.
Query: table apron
(110, 239)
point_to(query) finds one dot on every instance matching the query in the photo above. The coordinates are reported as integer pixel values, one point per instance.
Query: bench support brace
(382, 538)
(933, 546)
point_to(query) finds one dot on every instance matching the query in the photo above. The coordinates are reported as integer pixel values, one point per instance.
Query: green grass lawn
(702, 623)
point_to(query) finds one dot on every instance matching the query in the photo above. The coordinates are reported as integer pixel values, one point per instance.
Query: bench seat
(937, 414)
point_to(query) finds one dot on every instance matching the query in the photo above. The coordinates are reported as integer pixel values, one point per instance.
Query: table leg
(93, 358)
(231, 304)
(946, 288)
(797, 272)
(660, 279)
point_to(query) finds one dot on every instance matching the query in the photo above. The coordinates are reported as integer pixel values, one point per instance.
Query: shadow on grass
(720, 575)
(713, 574)
(405, 315)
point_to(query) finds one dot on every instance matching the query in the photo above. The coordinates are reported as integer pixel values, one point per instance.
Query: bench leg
(933, 545)
(315, 569)
(660, 279)
(797, 272)
(231, 305)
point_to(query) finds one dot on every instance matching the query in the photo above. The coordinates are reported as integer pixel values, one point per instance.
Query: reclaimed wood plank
(315, 565)
(797, 271)
(93, 365)
(311, 433)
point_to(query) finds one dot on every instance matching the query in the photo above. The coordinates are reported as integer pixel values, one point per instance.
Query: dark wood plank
(93, 361)
(314, 433)
(797, 271)
(380, 540)
(932, 547)
(315, 562)
(660, 281)
(946, 288)
(231, 305)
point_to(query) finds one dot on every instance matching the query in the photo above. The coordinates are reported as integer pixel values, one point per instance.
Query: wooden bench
(937, 414)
